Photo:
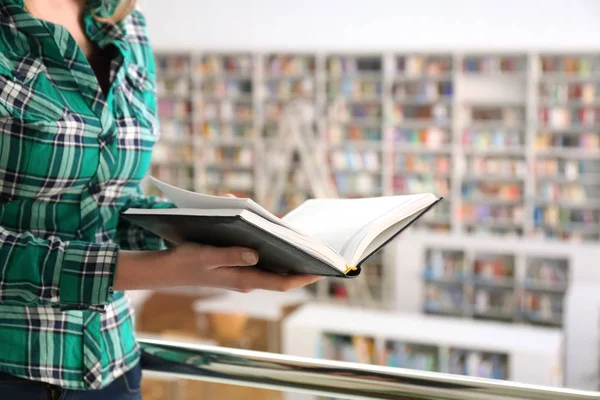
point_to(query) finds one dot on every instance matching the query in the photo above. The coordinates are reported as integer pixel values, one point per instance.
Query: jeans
(126, 387)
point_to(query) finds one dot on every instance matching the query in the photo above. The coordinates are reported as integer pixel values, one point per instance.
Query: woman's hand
(197, 265)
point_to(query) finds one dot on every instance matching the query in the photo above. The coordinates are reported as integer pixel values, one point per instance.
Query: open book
(328, 237)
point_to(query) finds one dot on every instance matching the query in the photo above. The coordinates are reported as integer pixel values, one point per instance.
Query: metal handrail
(330, 378)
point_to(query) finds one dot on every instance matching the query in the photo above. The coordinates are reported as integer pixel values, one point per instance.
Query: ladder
(296, 136)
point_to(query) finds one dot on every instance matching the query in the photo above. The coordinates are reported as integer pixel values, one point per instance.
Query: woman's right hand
(192, 264)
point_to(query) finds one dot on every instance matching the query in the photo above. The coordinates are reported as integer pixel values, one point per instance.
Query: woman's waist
(49, 318)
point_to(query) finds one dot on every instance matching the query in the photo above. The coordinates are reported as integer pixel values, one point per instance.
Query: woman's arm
(67, 274)
(77, 275)
(197, 265)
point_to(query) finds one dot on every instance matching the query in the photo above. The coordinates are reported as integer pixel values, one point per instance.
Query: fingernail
(249, 257)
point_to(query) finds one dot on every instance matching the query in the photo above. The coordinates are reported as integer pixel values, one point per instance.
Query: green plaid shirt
(71, 161)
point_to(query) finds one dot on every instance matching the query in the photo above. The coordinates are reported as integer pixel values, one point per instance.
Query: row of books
(583, 66)
(437, 114)
(577, 93)
(560, 117)
(226, 64)
(452, 265)
(403, 184)
(502, 304)
(495, 166)
(216, 131)
(570, 170)
(565, 219)
(410, 65)
(498, 138)
(584, 141)
(504, 116)
(290, 65)
(427, 138)
(227, 87)
(358, 184)
(351, 160)
(570, 193)
(351, 65)
(547, 273)
(343, 111)
(423, 91)
(344, 133)
(492, 191)
(354, 88)
(225, 110)
(290, 88)
(502, 214)
(426, 164)
(421, 65)
(173, 87)
(494, 64)
(413, 356)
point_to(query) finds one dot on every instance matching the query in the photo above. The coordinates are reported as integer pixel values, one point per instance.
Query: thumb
(216, 257)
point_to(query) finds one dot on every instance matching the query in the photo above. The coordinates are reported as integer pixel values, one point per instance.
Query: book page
(342, 223)
(186, 199)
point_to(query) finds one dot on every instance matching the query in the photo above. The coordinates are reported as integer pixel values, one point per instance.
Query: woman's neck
(67, 13)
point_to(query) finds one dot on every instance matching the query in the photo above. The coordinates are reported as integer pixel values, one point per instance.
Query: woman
(77, 125)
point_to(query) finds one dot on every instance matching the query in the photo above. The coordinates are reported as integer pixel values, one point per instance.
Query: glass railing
(330, 378)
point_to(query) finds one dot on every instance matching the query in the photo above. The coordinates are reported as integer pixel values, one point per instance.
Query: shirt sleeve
(70, 275)
(132, 237)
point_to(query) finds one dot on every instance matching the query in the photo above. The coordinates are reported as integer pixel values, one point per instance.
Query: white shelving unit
(519, 353)
(286, 78)
(523, 280)
(226, 117)
(567, 142)
(354, 122)
(492, 142)
(173, 158)
(420, 110)
(582, 337)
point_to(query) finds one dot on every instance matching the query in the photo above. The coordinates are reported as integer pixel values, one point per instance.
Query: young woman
(77, 125)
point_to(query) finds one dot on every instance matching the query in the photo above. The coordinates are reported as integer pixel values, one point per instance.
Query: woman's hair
(124, 8)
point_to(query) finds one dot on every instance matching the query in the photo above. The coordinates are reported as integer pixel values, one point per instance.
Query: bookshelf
(582, 337)
(225, 117)
(567, 144)
(526, 354)
(173, 158)
(522, 281)
(511, 140)
(485, 286)
(492, 121)
(286, 78)
(354, 123)
(419, 117)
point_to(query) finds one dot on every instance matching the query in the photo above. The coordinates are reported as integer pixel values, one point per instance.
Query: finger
(231, 195)
(249, 279)
(216, 257)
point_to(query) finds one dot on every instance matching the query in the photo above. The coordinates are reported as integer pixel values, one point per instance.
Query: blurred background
(494, 105)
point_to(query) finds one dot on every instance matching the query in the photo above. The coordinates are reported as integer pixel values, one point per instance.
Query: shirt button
(18, 75)
(109, 139)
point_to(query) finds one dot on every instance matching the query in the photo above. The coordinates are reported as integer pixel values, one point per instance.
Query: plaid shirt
(71, 161)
